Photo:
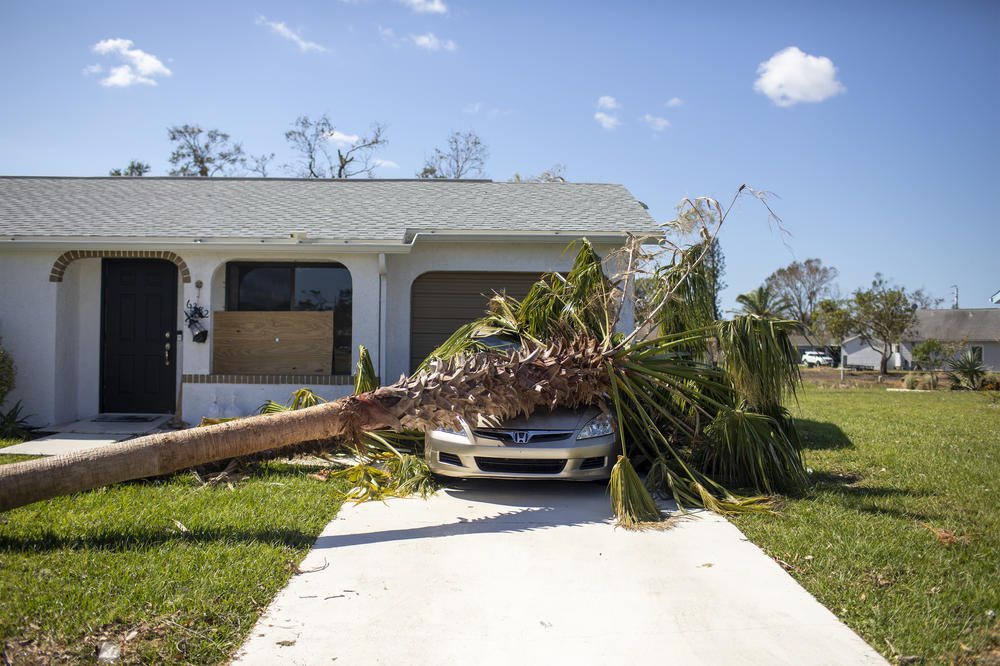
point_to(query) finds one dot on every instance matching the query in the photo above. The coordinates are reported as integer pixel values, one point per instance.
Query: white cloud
(674, 101)
(388, 164)
(791, 77)
(608, 102)
(655, 123)
(282, 30)
(341, 138)
(426, 6)
(432, 43)
(472, 108)
(140, 66)
(387, 33)
(607, 121)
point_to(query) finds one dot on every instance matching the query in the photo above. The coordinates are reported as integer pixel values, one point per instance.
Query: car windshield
(500, 342)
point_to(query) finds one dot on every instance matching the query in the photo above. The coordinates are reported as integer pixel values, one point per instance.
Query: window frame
(232, 289)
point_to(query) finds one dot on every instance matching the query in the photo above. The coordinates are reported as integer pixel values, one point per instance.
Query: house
(978, 329)
(99, 273)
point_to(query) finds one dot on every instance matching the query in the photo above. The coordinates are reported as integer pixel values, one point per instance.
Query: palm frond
(365, 378)
(759, 359)
(749, 449)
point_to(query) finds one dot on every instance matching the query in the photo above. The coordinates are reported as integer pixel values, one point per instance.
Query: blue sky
(876, 123)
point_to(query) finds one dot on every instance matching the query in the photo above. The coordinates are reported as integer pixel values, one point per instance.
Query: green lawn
(888, 467)
(113, 564)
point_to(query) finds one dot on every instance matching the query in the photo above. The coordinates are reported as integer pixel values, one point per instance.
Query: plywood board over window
(247, 342)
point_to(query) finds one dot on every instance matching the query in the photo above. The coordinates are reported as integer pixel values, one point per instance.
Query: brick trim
(66, 258)
(302, 380)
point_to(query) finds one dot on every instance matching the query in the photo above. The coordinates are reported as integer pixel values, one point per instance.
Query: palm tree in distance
(762, 302)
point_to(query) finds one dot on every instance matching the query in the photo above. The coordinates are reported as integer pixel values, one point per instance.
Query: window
(977, 353)
(258, 286)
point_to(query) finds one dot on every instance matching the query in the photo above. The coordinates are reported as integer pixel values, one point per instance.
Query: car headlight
(598, 426)
(457, 429)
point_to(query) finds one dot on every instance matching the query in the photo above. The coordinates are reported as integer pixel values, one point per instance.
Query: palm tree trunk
(566, 372)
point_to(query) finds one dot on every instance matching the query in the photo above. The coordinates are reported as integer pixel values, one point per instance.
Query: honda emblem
(520, 437)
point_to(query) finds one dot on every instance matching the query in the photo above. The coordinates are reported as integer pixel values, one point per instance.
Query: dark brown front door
(138, 339)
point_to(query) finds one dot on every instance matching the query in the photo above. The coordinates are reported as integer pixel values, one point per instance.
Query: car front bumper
(570, 459)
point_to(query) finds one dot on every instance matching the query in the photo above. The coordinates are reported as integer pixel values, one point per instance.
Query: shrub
(928, 382)
(7, 373)
(910, 381)
(992, 382)
(967, 372)
(14, 424)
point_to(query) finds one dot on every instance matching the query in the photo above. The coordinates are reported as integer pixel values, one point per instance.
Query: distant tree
(883, 313)
(311, 140)
(203, 154)
(260, 164)
(556, 174)
(803, 285)
(763, 303)
(834, 318)
(464, 156)
(134, 169)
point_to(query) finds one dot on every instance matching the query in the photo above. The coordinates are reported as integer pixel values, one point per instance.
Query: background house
(977, 328)
(294, 274)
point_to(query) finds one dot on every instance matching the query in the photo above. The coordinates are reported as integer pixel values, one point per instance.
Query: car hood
(559, 418)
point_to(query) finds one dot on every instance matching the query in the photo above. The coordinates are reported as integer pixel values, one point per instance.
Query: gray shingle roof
(367, 210)
(973, 324)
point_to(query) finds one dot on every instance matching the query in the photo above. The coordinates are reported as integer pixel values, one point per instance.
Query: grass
(900, 533)
(173, 571)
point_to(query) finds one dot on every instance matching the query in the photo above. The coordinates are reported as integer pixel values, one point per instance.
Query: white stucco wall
(28, 327)
(215, 400)
(78, 341)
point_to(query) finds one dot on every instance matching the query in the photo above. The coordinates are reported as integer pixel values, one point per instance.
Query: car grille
(592, 463)
(523, 436)
(521, 465)
(449, 459)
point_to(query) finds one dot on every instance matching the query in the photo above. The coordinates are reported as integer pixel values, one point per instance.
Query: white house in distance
(978, 328)
(98, 274)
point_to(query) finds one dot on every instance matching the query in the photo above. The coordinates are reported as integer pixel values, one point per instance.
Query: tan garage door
(444, 300)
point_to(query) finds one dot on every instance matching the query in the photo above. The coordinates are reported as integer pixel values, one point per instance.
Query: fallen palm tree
(669, 402)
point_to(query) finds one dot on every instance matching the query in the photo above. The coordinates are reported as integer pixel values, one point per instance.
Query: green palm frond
(750, 449)
(763, 303)
(760, 359)
(300, 399)
(365, 378)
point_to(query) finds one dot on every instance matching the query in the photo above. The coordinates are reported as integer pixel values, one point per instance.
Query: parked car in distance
(811, 358)
(571, 444)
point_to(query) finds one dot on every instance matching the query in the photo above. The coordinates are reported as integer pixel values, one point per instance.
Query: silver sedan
(577, 445)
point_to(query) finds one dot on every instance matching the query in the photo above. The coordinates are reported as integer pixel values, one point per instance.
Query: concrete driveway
(535, 573)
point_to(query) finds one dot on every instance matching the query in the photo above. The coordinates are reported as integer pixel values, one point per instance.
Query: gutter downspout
(382, 287)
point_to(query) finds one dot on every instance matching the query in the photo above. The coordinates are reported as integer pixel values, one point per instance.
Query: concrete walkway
(526, 573)
(91, 433)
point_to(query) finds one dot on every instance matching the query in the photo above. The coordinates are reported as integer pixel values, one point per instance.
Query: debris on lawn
(947, 537)
(294, 568)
